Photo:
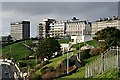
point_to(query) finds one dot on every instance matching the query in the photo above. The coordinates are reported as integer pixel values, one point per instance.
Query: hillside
(16, 50)
(19, 52)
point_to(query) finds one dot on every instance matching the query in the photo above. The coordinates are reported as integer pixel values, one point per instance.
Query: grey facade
(20, 30)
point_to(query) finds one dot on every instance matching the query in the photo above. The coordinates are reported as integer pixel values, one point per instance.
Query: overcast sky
(36, 11)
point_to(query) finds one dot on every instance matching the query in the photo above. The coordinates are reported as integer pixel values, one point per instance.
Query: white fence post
(102, 63)
(118, 65)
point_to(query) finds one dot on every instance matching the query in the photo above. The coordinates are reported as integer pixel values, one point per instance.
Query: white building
(79, 31)
(104, 23)
(44, 28)
(57, 29)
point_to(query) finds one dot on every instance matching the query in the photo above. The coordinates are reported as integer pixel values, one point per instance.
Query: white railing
(108, 59)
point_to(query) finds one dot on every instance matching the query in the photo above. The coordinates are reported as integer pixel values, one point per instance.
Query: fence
(109, 59)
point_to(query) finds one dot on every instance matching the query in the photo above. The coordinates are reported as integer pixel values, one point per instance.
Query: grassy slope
(64, 41)
(111, 73)
(81, 71)
(77, 45)
(18, 51)
(92, 43)
(55, 62)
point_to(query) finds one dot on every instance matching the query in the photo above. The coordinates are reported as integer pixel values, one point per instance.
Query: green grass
(93, 43)
(81, 71)
(64, 41)
(55, 62)
(30, 62)
(111, 73)
(18, 51)
(78, 45)
(28, 42)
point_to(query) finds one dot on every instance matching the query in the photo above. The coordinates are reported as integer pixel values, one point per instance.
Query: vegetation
(93, 43)
(85, 54)
(95, 51)
(47, 47)
(77, 46)
(55, 62)
(110, 36)
(64, 41)
(16, 51)
(80, 73)
(111, 73)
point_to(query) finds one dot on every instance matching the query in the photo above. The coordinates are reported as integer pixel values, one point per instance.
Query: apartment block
(20, 30)
(57, 29)
(44, 27)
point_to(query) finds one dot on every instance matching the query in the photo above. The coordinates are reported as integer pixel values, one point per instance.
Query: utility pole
(79, 52)
(26, 49)
(68, 60)
(10, 49)
(36, 59)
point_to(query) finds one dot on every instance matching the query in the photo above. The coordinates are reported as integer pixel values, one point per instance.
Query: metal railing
(109, 59)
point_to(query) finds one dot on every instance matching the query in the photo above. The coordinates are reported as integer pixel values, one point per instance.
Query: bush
(95, 51)
(22, 64)
(85, 54)
(43, 71)
(47, 69)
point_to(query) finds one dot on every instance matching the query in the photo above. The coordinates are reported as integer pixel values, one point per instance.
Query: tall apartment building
(44, 27)
(20, 30)
(104, 23)
(79, 31)
(57, 29)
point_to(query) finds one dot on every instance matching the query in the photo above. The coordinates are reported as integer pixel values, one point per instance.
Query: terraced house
(104, 23)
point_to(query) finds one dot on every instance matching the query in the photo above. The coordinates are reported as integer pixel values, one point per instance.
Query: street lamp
(68, 60)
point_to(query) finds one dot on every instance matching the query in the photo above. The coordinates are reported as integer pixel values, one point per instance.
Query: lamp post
(79, 52)
(68, 60)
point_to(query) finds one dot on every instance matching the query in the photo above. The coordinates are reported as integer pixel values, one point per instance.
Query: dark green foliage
(43, 71)
(47, 47)
(22, 64)
(110, 35)
(85, 54)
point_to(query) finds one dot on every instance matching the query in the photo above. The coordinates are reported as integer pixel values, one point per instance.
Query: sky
(37, 11)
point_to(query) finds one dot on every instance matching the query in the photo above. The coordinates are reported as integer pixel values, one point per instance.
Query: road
(6, 72)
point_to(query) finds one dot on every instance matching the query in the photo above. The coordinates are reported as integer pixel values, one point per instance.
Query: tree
(47, 47)
(9, 38)
(110, 36)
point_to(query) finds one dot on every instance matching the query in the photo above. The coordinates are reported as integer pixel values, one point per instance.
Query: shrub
(43, 71)
(22, 64)
(47, 69)
(85, 54)
(95, 51)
